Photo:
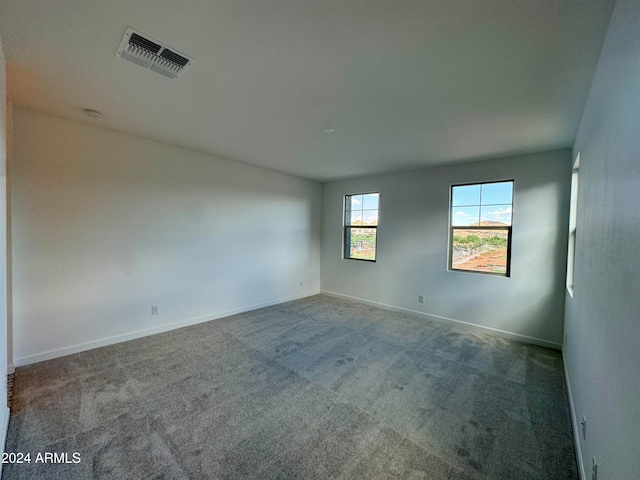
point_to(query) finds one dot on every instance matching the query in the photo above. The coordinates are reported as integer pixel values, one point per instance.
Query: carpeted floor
(312, 389)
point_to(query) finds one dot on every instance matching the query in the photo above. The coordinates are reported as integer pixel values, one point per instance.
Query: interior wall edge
(10, 366)
(438, 318)
(574, 420)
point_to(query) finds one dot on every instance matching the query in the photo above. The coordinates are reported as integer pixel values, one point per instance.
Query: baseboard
(438, 318)
(11, 368)
(103, 342)
(3, 432)
(574, 421)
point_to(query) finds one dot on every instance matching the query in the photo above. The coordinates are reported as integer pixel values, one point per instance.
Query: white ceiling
(404, 83)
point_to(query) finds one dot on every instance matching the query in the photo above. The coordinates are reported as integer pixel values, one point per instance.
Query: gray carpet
(311, 389)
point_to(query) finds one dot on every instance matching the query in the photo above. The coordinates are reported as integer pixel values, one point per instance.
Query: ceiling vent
(141, 50)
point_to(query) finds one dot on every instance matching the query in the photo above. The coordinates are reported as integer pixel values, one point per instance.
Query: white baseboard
(438, 318)
(574, 422)
(103, 342)
(3, 433)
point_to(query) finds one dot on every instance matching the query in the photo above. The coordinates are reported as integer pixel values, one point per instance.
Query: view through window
(361, 226)
(480, 236)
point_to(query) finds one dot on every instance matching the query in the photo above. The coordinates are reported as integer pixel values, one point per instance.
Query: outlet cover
(420, 298)
(584, 427)
(154, 310)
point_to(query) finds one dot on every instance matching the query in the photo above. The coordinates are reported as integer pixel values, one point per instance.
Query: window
(360, 226)
(480, 235)
(573, 221)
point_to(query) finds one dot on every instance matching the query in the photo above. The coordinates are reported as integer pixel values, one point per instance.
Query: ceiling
(404, 83)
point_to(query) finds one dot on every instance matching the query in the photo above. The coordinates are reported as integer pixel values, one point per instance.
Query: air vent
(144, 52)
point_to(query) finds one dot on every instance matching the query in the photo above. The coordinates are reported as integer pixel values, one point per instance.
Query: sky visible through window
(478, 204)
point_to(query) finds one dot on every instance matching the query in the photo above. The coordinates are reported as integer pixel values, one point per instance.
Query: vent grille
(174, 57)
(142, 42)
(138, 49)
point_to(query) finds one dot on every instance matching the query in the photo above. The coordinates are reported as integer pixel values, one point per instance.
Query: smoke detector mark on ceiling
(139, 49)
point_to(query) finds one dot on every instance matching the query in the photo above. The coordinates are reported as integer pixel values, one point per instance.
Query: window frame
(453, 228)
(346, 238)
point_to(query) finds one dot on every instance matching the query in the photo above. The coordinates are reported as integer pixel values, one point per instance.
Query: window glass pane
(480, 250)
(463, 216)
(354, 202)
(363, 243)
(465, 195)
(355, 218)
(370, 201)
(573, 209)
(495, 215)
(497, 193)
(370, 217)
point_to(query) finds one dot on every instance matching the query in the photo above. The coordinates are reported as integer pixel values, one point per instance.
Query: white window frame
(453, 228)
(346, 229)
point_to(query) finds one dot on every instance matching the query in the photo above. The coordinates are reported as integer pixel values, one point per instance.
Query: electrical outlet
(566, 339)
(594, 469)
(154, 309)
(301, 283)
(584, 427)
(420, 298)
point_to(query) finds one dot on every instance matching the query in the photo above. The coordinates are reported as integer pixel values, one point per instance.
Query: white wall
(603, 318)
(4, 412)
(413, 243)
(106, 225)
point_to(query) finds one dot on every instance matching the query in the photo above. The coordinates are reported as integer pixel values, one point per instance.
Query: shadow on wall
(414, 240)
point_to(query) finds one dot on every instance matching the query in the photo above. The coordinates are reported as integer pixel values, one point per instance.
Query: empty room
(297, 239)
